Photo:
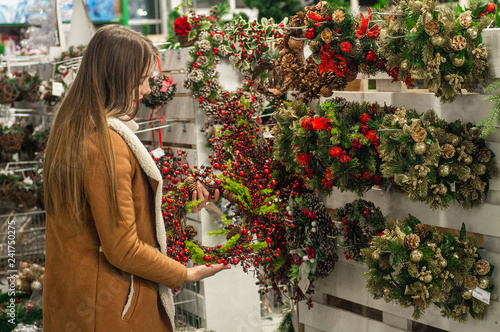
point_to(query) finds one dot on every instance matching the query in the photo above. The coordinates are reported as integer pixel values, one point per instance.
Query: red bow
(328, 62)
(363, 31)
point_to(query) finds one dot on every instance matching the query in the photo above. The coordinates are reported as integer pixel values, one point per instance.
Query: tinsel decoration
(361, 221)
(443, 275)
(163, 90)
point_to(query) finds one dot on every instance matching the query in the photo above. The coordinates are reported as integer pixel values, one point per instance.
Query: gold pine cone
(458, 43)
(412, 241)
(482, 267)
(422, 230)
(484, 155)
(432, 27)
(327, 35)
(465, 20)
(471, 283)
(419, 134)
(448, 151)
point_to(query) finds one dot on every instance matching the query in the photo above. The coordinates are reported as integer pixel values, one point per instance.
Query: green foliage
(220, 232)
(278, 10)
(494, 116)
(229, 244)
(256, 246)
(286, 324)
(191, 204)
(196, 253)
(278, 262)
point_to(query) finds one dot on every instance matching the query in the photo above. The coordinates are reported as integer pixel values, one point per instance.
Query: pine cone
(458, 43)
(432, 27)
(465, 20)
(448, 151)
(482, 267)
(422, 230)
(412, 241)
(363, 68)
(326, 91)
(338, 16)
(230, 196)
(190, 232)
(465, 189)
(191, 184)
(419, 134)
(484, 155)
(471, 283)
(233, 232)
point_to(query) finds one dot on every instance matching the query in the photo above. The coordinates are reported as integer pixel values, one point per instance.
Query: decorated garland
(436, 162)
(361, 221)
(163, 90)
(336, 148)
(442, 47)
(416, 266)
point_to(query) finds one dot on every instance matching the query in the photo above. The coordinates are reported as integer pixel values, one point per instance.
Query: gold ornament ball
(427, 278)
(404, 65)
(458, 62)
(472, 33)
(444, 170)
(443, 263)
(484, 282)
(375, 256)
(416, 256)
(420, 148)
(467, 294)
(23, 265)
(443, 190)
(454, 140)
(404, 302)
(36, 286)
(437, 41)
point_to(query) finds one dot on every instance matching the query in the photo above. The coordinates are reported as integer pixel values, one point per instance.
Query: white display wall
(341, 301)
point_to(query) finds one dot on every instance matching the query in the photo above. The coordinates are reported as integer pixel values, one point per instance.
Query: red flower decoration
(364, 118)
(366, 175)
(311, 33)
(322, 124)
(344, 158)
(315, 17)
(491, 8)
(371, 56)
(346, 47)
(377, 180)
(335, 151)
(304, 159)
(372, 136)
(182, 26)
(307, 124)
(363, 31)
(332, 61)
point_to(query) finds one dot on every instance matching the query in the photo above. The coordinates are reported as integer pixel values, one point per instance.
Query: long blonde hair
(113, 66)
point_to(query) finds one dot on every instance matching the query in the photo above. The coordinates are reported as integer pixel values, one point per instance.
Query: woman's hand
(199, 272)
(202, 194)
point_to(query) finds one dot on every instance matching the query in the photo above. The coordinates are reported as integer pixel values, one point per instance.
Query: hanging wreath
(361, 221)
(441, 46)
(335, 147)
(436, 162)
(163, 90)
(416, 266)
(310, 239)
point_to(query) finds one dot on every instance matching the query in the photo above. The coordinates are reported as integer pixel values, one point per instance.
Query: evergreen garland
(494, 116)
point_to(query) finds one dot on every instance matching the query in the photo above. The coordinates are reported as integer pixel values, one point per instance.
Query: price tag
(452, 187)
(57, 89)
(69, 78)
(481, 295)
(267, 134)
(158, 153)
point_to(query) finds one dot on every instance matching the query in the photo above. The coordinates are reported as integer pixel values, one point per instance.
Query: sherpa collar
(125, 130)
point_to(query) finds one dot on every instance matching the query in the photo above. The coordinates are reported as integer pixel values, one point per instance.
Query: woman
(106, 268)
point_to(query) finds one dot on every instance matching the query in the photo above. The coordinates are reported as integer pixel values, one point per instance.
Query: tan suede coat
(106, 277)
